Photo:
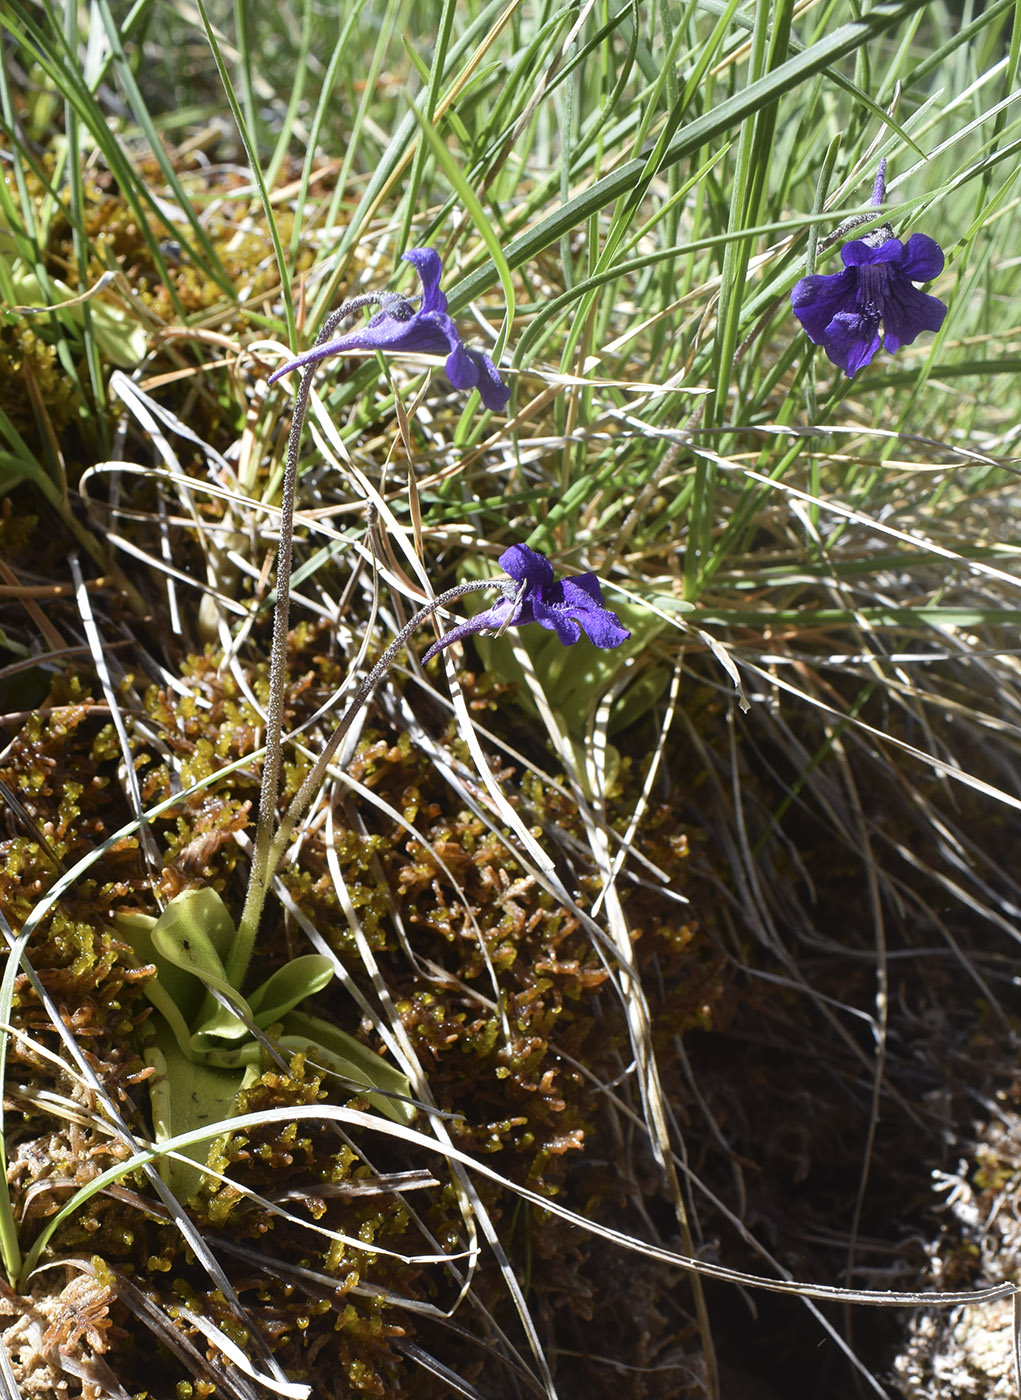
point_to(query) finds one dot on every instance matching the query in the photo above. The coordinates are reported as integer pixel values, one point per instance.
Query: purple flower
(842, 311)
(568, 608)
(399, 329)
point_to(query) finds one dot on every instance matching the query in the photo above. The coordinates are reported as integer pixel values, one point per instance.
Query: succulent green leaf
(299, 978)
(186, 1095)
(195, 933)
(204, 1051)
(333, 1049)
(120, 336)
(175, 994)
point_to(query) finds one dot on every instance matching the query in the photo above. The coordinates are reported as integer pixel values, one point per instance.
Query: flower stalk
(258, 878)
(397, 328)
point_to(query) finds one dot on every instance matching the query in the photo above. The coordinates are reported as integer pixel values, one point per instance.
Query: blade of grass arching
(509, 121)
(567, 142)
(352, 152)
(251, 149)
(894, 619)
(753, 158)
(19, 224)
(243, 16)
(604, 39)
(624, 215)
(512, 122)
(29, 238)
(541, 192)
(752, 161)
(401, 148)
(859, 95)
(10, 1248)
(542, 322)
(339, 56)
(962, 38)
(1014, 57)
(518, 140)
(726, 114)
(352, 1118)
(427, 104)
(295, 100)
(20, 464)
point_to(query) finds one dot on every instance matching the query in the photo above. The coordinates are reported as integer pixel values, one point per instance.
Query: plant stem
(258, 877)
(276, 845)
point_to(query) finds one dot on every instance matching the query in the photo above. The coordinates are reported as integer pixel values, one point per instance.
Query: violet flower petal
(909, 312)
(584, 597)
(554, 614)
(874, 300)
(472, 369)
(816, 300)
(426, 262)
(851, 341)
(843, 311)
(923, 258)
(528, 567)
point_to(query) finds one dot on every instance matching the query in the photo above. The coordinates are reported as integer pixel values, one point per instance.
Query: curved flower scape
(843, 311)
(569, 607)
(399, 329)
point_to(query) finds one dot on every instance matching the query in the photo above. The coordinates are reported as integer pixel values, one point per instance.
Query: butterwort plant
(874, 300)
(530, 593)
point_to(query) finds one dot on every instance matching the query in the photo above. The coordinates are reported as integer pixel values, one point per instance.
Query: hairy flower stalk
(258, 880)
(844, 311)
(310, 786)
(397, 328)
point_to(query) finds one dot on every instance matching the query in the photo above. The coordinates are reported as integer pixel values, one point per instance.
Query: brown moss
(30, 373)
